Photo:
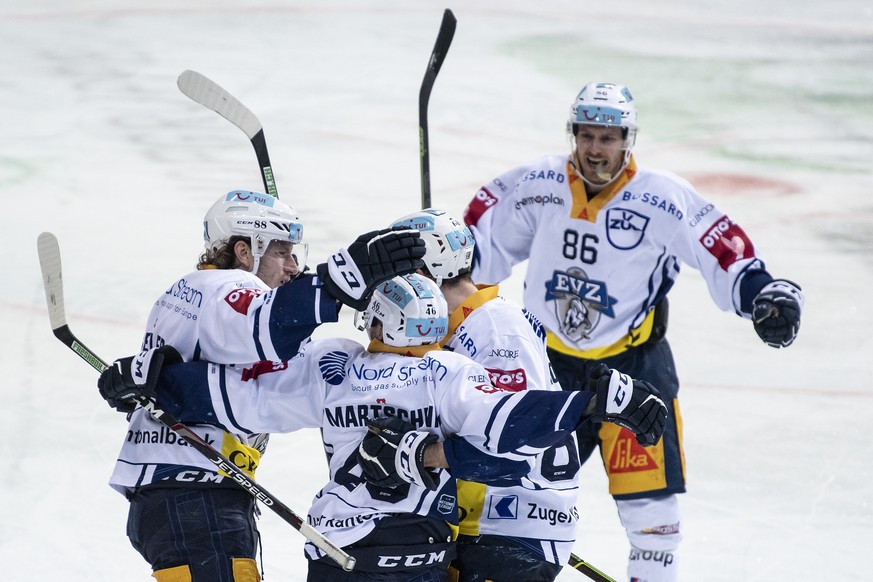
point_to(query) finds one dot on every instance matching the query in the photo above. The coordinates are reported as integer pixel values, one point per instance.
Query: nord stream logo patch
(503, 507)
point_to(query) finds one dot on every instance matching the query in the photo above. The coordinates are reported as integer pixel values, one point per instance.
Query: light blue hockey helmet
(411, 309)
(448, 242)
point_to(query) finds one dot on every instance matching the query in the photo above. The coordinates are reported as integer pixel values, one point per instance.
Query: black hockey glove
(125, 381)
(776, 312)
(633, 404)
(392, 454)
(351, 274)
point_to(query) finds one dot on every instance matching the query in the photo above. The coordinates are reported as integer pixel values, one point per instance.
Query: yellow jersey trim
(585, 209)
(485, 294)
(415, 351)
(636, 337)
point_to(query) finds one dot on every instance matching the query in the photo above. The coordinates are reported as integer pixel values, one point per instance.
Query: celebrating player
(246, 302)
(500, 537)
(605, 239)
(398, 530)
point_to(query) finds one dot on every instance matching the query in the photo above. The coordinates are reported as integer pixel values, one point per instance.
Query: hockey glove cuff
(392, 454)
(776, 313)
(131, 378)
(633, 404)
(350, 275)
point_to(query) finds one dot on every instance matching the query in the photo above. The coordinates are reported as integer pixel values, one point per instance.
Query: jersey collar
(585, 209)
(485, 294)
(377, 346)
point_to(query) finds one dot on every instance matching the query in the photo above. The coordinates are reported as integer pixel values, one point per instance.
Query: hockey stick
(50, 264)
(584, 567)
(440, 48)
(210, 95)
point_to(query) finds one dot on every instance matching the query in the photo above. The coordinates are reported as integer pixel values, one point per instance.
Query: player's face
(277, 264)
(375, 331)
(600, 152)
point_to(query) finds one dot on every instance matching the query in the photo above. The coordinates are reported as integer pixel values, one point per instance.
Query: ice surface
(766, 107)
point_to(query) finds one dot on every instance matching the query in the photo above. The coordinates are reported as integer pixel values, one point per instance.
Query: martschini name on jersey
(357, 415)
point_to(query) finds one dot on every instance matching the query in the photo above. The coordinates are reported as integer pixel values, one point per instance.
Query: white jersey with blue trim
(509, 342)
(598, 267)
(227, 316)
(337, 385)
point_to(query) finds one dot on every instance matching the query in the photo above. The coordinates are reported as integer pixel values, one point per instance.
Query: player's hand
(633, 404)
(776, 313)
(392, 454)
(350, 275)
(131, 378)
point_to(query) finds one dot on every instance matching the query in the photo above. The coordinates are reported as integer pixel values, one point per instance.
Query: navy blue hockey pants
(203, 528)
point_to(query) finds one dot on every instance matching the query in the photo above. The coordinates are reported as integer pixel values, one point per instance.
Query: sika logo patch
(629, 456)
(241, 299)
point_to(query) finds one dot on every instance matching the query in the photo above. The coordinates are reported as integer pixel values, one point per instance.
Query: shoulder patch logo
(333, 367)
(241, 299)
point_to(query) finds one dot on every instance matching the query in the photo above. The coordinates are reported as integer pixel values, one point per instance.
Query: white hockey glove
(350, 275)
(392, 454)
(633, 404)
(776, 312)
(133, 377)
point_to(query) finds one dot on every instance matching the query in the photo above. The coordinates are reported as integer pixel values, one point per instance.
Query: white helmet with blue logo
(606, 105)
(411, 309)
(448, 242)
(259, 217)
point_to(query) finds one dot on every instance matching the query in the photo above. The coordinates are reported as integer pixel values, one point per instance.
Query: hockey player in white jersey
(605, 239)
(519, 528)
(246, 302)
(401, 533)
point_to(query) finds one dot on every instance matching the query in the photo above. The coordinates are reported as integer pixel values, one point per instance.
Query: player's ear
(243, 255)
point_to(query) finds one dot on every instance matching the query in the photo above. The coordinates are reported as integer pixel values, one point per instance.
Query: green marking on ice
(14, 172)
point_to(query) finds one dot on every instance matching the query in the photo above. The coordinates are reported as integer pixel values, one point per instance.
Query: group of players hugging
(454, 438)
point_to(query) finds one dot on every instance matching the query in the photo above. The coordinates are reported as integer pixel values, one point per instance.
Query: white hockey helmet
(259, 217)
(448, 242)
(605, 105)
(412, 310)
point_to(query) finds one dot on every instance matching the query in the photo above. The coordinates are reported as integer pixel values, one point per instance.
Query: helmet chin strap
(578, 164)
(255, 246)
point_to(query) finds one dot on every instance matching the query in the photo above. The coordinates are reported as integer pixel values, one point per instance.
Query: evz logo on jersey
(727, 242)
(509, 380)
(579, 302)
(625, 228)
(241, 299)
